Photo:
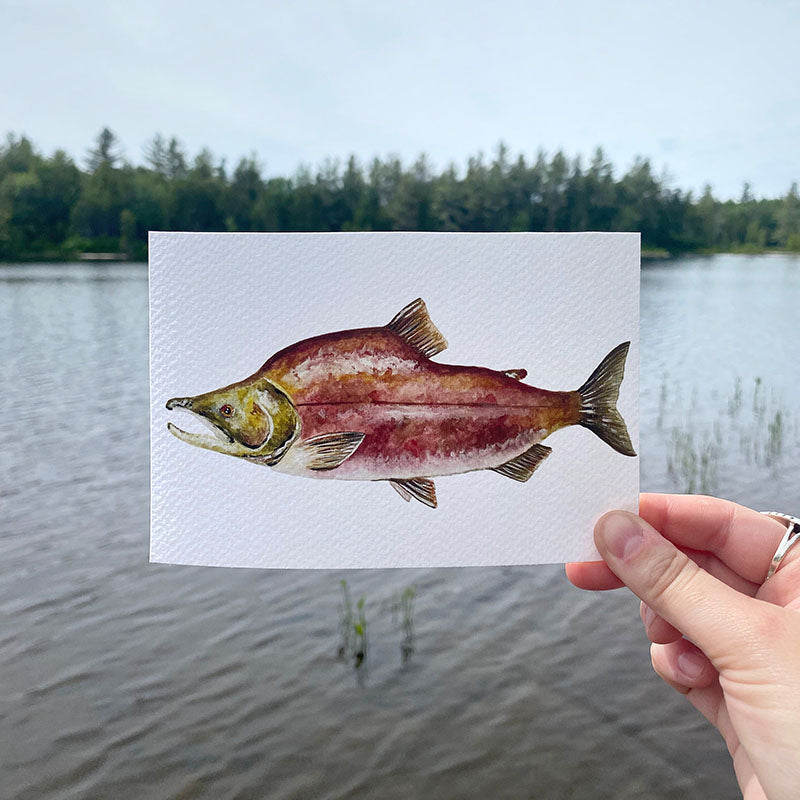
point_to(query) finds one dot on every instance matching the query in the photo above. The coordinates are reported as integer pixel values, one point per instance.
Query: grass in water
(352, 628)
(353, 640)
(403, 610)
(701, 449)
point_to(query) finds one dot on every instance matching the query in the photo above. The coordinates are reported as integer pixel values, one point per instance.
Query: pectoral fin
(523, 466)
(422, 489)
(327, 451)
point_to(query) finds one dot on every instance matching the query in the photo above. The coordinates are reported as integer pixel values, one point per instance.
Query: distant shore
(52, 209)
(90, 257)
(654, 254)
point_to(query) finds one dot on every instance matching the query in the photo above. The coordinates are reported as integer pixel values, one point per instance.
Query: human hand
(721, 636)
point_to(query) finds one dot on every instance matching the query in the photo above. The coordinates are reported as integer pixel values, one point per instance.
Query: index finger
(738, 536)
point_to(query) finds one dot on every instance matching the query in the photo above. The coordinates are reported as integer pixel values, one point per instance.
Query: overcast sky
(708, 90)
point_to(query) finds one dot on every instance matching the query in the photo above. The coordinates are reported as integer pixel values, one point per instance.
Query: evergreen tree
(50, 207)
(106, 152)
(156, 154)
(243, 195)
(788, 218)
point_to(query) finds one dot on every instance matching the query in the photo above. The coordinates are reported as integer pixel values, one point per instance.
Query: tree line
(52, 208)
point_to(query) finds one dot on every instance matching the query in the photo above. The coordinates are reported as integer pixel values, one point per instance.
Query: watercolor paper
(390, 399)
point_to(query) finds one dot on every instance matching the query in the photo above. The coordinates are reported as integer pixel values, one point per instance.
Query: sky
(709, 91)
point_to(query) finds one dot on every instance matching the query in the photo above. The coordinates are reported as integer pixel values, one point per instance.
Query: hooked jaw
(219, 442)
(179, 402)
(260, 420)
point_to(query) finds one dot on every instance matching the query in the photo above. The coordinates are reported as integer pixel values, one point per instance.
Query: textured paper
(554, 304)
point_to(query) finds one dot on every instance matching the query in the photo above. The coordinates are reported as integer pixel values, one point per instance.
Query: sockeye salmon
(370, 404)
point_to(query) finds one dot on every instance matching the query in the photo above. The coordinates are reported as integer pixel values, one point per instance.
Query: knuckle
(726, 517)
(670, 572)
(759, 657)
(764, 628)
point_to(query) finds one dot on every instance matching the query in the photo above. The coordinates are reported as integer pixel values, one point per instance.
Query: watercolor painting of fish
(370, 404)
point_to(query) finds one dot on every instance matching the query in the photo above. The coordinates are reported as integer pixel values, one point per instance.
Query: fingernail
(691, 664)
(622, 535)
(649, 616)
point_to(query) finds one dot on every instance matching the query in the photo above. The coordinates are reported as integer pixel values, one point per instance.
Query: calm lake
(120, 679)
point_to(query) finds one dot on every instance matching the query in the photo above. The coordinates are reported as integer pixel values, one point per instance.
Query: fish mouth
(220, 441)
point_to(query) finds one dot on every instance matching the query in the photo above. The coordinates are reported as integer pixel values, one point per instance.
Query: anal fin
(422, 489)
(328, 450)
(523, 466)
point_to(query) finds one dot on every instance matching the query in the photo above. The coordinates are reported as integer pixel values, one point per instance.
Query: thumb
(714, 616)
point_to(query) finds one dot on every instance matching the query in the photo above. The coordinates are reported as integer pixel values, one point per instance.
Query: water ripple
(125, 680)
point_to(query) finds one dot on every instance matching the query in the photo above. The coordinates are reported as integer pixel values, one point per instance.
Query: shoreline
(647, 254)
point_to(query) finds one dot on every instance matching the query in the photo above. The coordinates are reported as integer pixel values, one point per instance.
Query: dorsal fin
(328, 450)
(414, 326)
(516, 374)
(422, 489)
(523, 466)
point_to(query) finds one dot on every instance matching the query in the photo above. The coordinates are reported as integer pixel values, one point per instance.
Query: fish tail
(598, 411)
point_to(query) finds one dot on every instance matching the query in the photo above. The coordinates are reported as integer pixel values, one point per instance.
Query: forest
(52, 208)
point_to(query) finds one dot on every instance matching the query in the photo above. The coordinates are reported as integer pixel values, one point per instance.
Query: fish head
(250, 419)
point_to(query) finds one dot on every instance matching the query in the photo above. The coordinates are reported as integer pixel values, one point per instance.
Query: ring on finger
(791, 537)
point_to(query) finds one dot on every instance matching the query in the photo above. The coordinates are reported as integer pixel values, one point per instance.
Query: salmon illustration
(370, 404)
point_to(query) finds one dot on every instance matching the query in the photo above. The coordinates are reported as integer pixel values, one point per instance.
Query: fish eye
(226, 410)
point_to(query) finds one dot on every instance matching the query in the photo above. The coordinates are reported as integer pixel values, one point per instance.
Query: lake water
(120, 679)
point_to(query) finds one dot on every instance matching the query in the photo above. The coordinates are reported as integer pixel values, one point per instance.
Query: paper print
(509, 439)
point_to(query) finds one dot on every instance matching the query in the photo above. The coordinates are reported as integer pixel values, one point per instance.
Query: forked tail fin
(599, 401)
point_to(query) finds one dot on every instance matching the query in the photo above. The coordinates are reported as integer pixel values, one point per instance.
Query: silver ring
(792, 536)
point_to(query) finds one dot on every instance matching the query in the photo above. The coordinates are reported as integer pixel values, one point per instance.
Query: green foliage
(50, 208)
(36, 198)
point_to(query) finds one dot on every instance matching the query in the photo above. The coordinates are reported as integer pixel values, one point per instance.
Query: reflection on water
(126, 680)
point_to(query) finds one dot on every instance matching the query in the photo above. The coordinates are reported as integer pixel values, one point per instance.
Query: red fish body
(370, 404)
(420, 418)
